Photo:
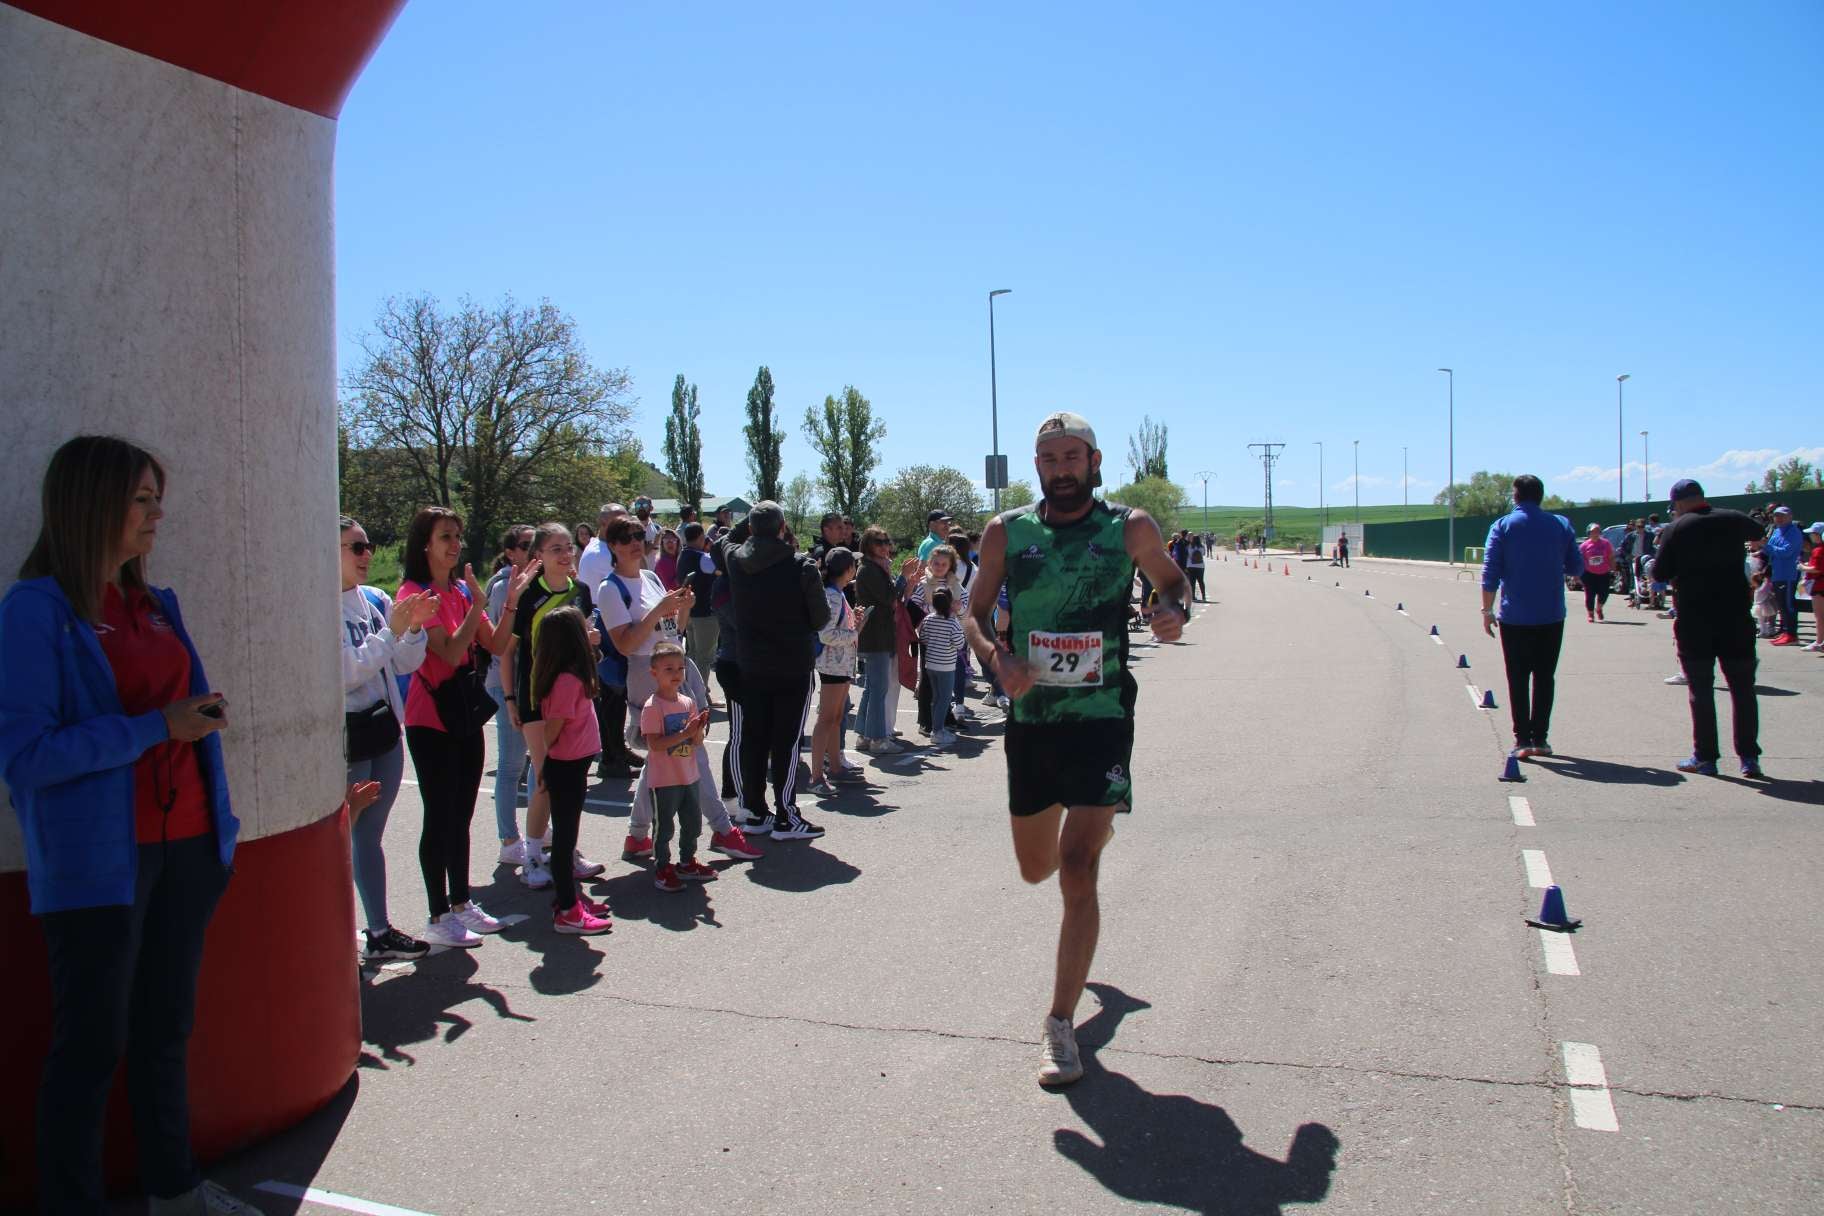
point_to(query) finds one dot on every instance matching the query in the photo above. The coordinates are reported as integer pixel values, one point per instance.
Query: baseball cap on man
(936, 515)
(1783, 509)
(1067, 425)
(1684, 488)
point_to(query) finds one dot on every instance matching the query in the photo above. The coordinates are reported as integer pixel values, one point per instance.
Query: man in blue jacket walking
(1783, 547)
(1529, 553)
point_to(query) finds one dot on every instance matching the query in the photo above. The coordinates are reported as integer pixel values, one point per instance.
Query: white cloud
(1736, 463)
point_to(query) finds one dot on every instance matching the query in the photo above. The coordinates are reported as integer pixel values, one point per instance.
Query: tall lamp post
(1621, 494)
(1205, 476)
(1646, 469)
(1358, 481)
(1405, 487)
(1321, 505)
(994, 397)
(1451, 476)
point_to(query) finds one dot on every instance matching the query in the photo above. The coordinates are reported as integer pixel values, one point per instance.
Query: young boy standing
(674, 727)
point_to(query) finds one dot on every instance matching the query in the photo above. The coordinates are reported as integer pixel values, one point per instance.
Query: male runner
(1068, 565)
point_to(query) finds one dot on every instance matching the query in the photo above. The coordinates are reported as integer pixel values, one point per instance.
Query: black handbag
(370, 733)
(464, 704)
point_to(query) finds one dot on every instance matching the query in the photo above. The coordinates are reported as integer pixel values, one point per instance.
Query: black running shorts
(1070, 764)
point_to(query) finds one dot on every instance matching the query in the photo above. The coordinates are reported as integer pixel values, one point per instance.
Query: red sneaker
(578, 920)
(1784, 639)
(696, 871)
(667, 879)
(733, 843)
(595, 908)
(636, 848)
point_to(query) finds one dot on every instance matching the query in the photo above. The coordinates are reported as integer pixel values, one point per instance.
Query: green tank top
(1068, 588)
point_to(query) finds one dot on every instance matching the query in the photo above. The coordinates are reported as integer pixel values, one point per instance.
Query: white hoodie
(371, 655)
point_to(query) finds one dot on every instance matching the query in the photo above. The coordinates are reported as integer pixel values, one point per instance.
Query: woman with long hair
(448, 758)
(876, 592)
(835, 667)
(381, 641)
(509, 744)
(666, 565)
(109, 742)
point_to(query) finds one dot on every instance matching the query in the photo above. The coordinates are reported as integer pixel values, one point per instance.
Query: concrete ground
(1315, 984)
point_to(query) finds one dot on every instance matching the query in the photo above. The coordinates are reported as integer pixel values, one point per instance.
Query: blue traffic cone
(1488, 698)
(1400, 607)
(1552, 914)
(1434, 631)
(1364, 591)
(1463, 660)
(1339, 584)
(1512, 771)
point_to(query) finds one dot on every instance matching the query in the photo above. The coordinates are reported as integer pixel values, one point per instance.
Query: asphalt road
(1315, 986)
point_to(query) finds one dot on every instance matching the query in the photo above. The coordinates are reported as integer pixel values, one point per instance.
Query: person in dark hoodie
(778, 609)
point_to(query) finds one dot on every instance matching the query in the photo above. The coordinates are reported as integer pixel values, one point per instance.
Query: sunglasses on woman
(360, 548)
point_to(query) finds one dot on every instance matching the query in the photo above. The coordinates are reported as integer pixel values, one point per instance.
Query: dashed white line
(1560, 958)
(330, 1199)
(1538, 874)
(1437, 639)
(1521, 810)
(1591, 1106)
(1475, 695)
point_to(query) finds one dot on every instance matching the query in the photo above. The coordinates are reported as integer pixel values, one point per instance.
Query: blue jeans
(509, 770)
(364, 836)
(943, 685)
(878, 670)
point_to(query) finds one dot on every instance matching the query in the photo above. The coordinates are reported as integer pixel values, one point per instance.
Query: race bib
(667, 630)
(1066, 660)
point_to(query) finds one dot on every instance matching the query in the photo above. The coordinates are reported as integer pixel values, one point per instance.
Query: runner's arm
(1147, 547)
(990, 571)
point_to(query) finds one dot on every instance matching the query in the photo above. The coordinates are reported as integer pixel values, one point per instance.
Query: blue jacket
(1530, 550)
(1783, 547)
(67, 750)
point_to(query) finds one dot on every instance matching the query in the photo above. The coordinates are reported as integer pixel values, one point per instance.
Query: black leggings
(728, 675)
(1595, 590)
(566, 782)
(772, 723)
(449, 774)
(1195, 574)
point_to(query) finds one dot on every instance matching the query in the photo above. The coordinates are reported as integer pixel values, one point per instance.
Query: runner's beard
(1066, 494)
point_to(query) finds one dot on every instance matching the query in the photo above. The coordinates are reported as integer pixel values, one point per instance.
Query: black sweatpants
(773, 713)
(1706, 641)
(567, 782)
(1196, 576)
(1595, 590)
(124, 978)
(611, 717)
(728, 675)
(1531, 655)
(449, 774)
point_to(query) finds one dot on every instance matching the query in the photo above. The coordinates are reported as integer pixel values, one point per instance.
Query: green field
(1305, 522)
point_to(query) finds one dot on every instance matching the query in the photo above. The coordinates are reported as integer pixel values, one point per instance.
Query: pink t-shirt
(580, 738)
(452, 609)
(1598, 555)
(667, 717)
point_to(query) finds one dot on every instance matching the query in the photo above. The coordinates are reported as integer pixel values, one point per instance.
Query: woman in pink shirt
(1598, 572)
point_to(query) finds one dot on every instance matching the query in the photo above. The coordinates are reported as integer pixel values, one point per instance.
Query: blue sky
(1250, 222)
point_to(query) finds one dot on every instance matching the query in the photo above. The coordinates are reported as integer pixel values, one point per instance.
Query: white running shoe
(477, 920)
(962, 713)
(1677, 679)
(865, 746)
(942, 738)
(534, 874)
(584, 868)
(1004, 703)
(888, 747)
(513, 854)
(447, 930)
(1060, 1062)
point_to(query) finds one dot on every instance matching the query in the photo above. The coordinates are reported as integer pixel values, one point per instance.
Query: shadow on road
(417, 1004)
(1606, 772)
(1767, 690)
(294, 1156)
(799, 866)
(1174, 1150)
(1809, 793)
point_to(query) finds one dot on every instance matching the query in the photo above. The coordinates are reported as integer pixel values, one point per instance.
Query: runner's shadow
(417, 1004)
(1767, 690)
(1809, 793)
(1606, 772)
(1172, 1150)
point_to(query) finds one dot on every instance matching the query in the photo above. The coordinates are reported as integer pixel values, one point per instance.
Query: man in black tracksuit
(1701, 554)
(779, 607)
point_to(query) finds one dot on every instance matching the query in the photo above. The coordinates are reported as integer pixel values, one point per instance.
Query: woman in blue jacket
(110, 748)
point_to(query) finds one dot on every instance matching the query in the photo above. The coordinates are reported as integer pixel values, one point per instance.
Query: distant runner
(1068, 566)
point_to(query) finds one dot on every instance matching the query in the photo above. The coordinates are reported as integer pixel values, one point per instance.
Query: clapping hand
(360, 796)
(521, 581)
(412, 612)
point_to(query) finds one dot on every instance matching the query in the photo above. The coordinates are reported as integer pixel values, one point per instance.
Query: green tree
(477, 400)
(1146, 451)
(765, 437)
(1157, 496)
(1018, 494)
(913, 493)
(1789, 475)
(684, 444)
(1484, 493)
(798, 500)
(846, 437)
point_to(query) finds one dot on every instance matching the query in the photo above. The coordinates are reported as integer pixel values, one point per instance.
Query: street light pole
(1204, 475)
(1358, 482)
(1405, 490)
(1321, 505)
(994, 396)
(1646, 469)
(1621, 460)
(1451, 476)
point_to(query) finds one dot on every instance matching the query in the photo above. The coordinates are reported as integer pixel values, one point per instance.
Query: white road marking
(1592, 1110)
(1583, 1065)
(1475, 695)
(330, 1199)
(1522, 811)
(1560, 959)
(1538, 874)
(1591, 1106)
(1437, 639)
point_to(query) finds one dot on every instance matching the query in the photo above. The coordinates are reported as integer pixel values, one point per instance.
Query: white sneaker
(1677, 679)
(475, 919)
(449, 931)
(888, 747)
(1060, 1062)
(534, 873)
(208, 1199)
(584, 868)
(942, 738)
(962, 713)
(1004, 703)
(865, 746)
(513, 853)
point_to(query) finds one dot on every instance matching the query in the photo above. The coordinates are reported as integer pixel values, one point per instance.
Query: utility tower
(1269, 456)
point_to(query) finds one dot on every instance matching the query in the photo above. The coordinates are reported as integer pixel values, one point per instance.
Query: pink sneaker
(594, 907)
(696, 871)
(667, 879)
(734, 843)
(636, 847)
(579, 920)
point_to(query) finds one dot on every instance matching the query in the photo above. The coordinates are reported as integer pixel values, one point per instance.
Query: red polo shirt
(151, 670)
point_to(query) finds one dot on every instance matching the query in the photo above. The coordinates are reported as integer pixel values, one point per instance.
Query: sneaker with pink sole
(580, 921)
